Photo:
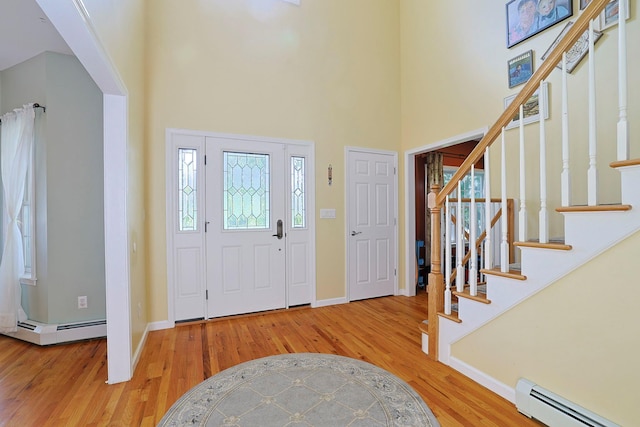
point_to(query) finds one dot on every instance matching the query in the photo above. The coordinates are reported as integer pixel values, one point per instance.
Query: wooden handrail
(437, 196)
(575, 32)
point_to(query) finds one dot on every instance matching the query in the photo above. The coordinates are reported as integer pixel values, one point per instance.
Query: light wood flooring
(64, 385)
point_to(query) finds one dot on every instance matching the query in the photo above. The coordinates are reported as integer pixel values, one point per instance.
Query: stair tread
(597, 208)
(466, 293)
(453, 316)
(424, 326)
(623, 163)
(512, 273)
(557, 245)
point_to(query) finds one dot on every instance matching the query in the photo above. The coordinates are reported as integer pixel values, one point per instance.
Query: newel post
(435, 288)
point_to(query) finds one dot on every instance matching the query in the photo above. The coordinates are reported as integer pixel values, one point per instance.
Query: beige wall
(562, 340)
(120, 25)
(454, 80)
(327, 71)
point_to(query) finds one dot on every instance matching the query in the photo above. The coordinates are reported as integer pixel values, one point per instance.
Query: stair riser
(594, 231)
(630, 177)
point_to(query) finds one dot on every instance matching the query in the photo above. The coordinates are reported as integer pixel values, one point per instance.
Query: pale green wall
(69, 186)
(327, 71)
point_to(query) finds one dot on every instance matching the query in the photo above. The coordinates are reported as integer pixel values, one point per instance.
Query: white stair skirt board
(505, 293)
(48, 334)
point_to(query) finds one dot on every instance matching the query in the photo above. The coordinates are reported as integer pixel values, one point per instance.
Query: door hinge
(394, 170)
(206, 294)
(395, 271)
(205, 160)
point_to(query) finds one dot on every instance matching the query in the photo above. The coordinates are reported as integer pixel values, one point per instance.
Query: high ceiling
(25, 32)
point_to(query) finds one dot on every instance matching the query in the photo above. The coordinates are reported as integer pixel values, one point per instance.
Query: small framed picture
(577, 51)
(609, 16)
(520, 68)
(531, 108)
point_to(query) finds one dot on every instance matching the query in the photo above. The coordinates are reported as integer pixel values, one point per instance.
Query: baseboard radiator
(553, 410)
(49, 334)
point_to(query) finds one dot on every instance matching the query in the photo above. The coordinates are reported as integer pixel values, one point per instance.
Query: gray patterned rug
(305, 389)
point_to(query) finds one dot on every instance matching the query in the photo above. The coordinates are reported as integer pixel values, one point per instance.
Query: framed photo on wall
(577, 51)
(520, 68)
(609, 16)
(526, 18)
(531, 108)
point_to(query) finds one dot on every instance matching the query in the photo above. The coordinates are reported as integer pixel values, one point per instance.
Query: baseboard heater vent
(553, 410)
(48, 334)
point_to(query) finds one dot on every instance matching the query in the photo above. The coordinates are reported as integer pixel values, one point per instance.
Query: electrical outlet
(82, 302)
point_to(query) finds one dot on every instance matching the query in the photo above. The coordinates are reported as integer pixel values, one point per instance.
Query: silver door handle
(355, 233)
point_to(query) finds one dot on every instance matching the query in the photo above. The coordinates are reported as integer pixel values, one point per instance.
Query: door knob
(355, 233)
(279, 230)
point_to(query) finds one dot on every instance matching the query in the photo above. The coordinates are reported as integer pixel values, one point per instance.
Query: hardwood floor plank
(65, 385)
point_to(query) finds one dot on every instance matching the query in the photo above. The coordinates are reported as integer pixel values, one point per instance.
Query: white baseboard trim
(49, 334)
(138, 352)
(328, 302)
(480, 377)
(158, 326)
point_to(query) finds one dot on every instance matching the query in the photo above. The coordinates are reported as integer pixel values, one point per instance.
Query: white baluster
(623, 126)
(543, 216)
(504, 245)
(522, 217)
(565, 177)
(473, 226)
(488, 250)
(592, 173)
(460, 242)
(447, 258)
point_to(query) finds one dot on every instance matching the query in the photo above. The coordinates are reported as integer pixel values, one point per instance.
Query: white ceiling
(25, 32)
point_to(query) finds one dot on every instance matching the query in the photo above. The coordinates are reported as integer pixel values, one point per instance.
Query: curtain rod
(35, 105)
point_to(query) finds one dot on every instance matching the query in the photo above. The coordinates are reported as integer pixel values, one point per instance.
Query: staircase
(588, 230)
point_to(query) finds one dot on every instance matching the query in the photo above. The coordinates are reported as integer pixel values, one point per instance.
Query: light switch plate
(327, 213)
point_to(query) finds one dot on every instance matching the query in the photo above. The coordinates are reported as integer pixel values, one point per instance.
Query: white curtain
(16, 143)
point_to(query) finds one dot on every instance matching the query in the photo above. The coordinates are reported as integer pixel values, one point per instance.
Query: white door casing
(198, 261)
(371, 223)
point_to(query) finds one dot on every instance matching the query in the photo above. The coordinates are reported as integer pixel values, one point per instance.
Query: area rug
(304, 389)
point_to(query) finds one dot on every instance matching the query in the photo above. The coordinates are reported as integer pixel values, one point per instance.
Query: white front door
(371, 224)
(225, 256)
(245, 240)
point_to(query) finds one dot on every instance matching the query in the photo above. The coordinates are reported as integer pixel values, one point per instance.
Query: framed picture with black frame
(520, 68)
(526, 18)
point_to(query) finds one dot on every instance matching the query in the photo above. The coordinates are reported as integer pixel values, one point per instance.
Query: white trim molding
(72, 21)
(410, 199)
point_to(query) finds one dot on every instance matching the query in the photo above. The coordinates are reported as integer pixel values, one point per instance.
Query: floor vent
(48, 334)
(553, 410)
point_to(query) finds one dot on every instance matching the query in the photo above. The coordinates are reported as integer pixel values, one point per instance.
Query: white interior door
(245, 230)
(371, 202)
